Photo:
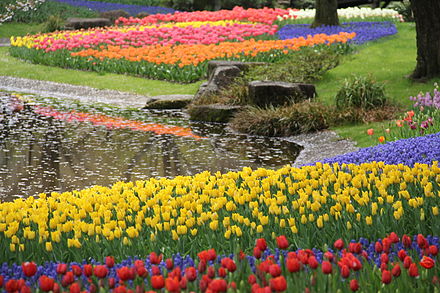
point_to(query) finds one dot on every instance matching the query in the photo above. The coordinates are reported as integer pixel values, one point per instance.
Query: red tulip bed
(406, 264)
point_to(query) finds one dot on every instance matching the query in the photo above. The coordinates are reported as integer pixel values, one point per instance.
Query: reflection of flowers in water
(114, 122)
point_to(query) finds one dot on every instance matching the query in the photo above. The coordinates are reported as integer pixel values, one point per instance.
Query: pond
(46, 147)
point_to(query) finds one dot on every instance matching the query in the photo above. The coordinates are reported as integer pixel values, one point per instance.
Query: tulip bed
(177, 47)
(213, 220)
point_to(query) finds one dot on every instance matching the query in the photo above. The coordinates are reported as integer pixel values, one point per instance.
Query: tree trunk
(326, 13)
(426, 15)
(217, 4)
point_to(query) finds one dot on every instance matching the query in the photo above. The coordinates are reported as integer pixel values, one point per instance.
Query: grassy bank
(10, 66)
(389, 61)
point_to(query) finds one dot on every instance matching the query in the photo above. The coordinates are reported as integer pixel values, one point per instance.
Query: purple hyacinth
(106, 6)
(424, 150)
(365, 31)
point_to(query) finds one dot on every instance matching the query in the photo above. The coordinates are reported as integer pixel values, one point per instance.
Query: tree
(326, 13)
(217, 4)
(426, 15)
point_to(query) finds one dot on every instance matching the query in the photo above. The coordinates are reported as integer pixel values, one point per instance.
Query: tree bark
(426, 15)
(217, 4)
(326, 13)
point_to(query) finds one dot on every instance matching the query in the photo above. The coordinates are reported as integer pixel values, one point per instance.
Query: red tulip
(221, 272)
(157, 282)
(433, 250)
(25, 289)
(169, 264)
(354, 285)
(313, 263)
(355, 248)
(339, 244)
(61, 268)
(396, 270)
(293, 265)
(421, 241)
(386, 277)
(282, 242)
(211, 272)
(384, 258)
(88, 270)
(46, 283)
(201, 267)
(378, 247)
(29, 268)
(326, 267)
(183, 283)
(120, 289)
(141, 271)
(413, 270)
(274, 270)
(401, 254)
(257, 252)
(345, 271)
(2, 279)
(218, 285)
(278, 284)
(252, 279)
(393, 237)
(427, 262)
(67, 279)
(11, 285)
(155, 259)
(75, 288)
(407, 262)
(190, 274)
(328, 255)
(101, 271)
(111, 283)
(406, 240)
(172, 284)
(155, 270)
(126, 273)
(109, 261)
(261, 244)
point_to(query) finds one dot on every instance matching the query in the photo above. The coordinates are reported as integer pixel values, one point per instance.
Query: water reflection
(43, 154)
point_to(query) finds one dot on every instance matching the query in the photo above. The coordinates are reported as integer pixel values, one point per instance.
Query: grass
(10, 66)
(389, 61)
(10, 29)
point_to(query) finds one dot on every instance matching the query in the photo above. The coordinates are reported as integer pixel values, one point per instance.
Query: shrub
(361, 92)
(295, 119)
(404, 9)
(114, 14)
(53, 23)
(49, 8)
(307, 65)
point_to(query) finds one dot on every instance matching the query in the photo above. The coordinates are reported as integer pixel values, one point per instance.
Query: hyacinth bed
(177, 46)
(108, 6)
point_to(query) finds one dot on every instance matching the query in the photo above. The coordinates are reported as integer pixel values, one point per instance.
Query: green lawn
(10, 66)
(389, 61)
(10, 29)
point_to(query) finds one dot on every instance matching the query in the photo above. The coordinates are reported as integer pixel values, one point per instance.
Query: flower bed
(107, 6)
(347, 13)
(365, 31)
(173, 47)
(407, 263)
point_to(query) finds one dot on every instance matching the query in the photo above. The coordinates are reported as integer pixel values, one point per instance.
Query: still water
(43, 153)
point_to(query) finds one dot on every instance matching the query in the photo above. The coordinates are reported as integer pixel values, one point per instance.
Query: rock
(79, 23)
(168, 102)
(223, 76)
(213, 112)
(112, 15)
(243, 66)
(265, 93)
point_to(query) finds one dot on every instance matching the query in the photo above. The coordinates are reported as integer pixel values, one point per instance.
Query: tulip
(29, 268)
(386, 277)
(326, 267)
(354, 285)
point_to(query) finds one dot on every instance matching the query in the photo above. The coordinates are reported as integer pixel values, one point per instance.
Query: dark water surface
(44, 154)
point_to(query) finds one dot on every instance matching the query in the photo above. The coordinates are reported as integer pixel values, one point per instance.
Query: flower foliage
(19, 5)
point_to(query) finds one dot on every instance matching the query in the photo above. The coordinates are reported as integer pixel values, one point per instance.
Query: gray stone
(213, 112)
(243, 66)
(223, 76)
(265, 93)
(168, 102)
(85, 23)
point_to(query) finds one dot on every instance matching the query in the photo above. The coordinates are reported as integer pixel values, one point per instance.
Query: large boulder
(221, 74)
(168, 102)
(213, 112)
(276, 93)
(85, 23)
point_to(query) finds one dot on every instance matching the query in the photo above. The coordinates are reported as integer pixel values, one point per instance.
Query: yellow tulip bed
(312, 205)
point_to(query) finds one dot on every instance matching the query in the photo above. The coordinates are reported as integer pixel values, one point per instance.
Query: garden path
(317, 146)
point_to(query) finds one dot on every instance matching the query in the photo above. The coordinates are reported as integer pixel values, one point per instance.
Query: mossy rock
(213, 113)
